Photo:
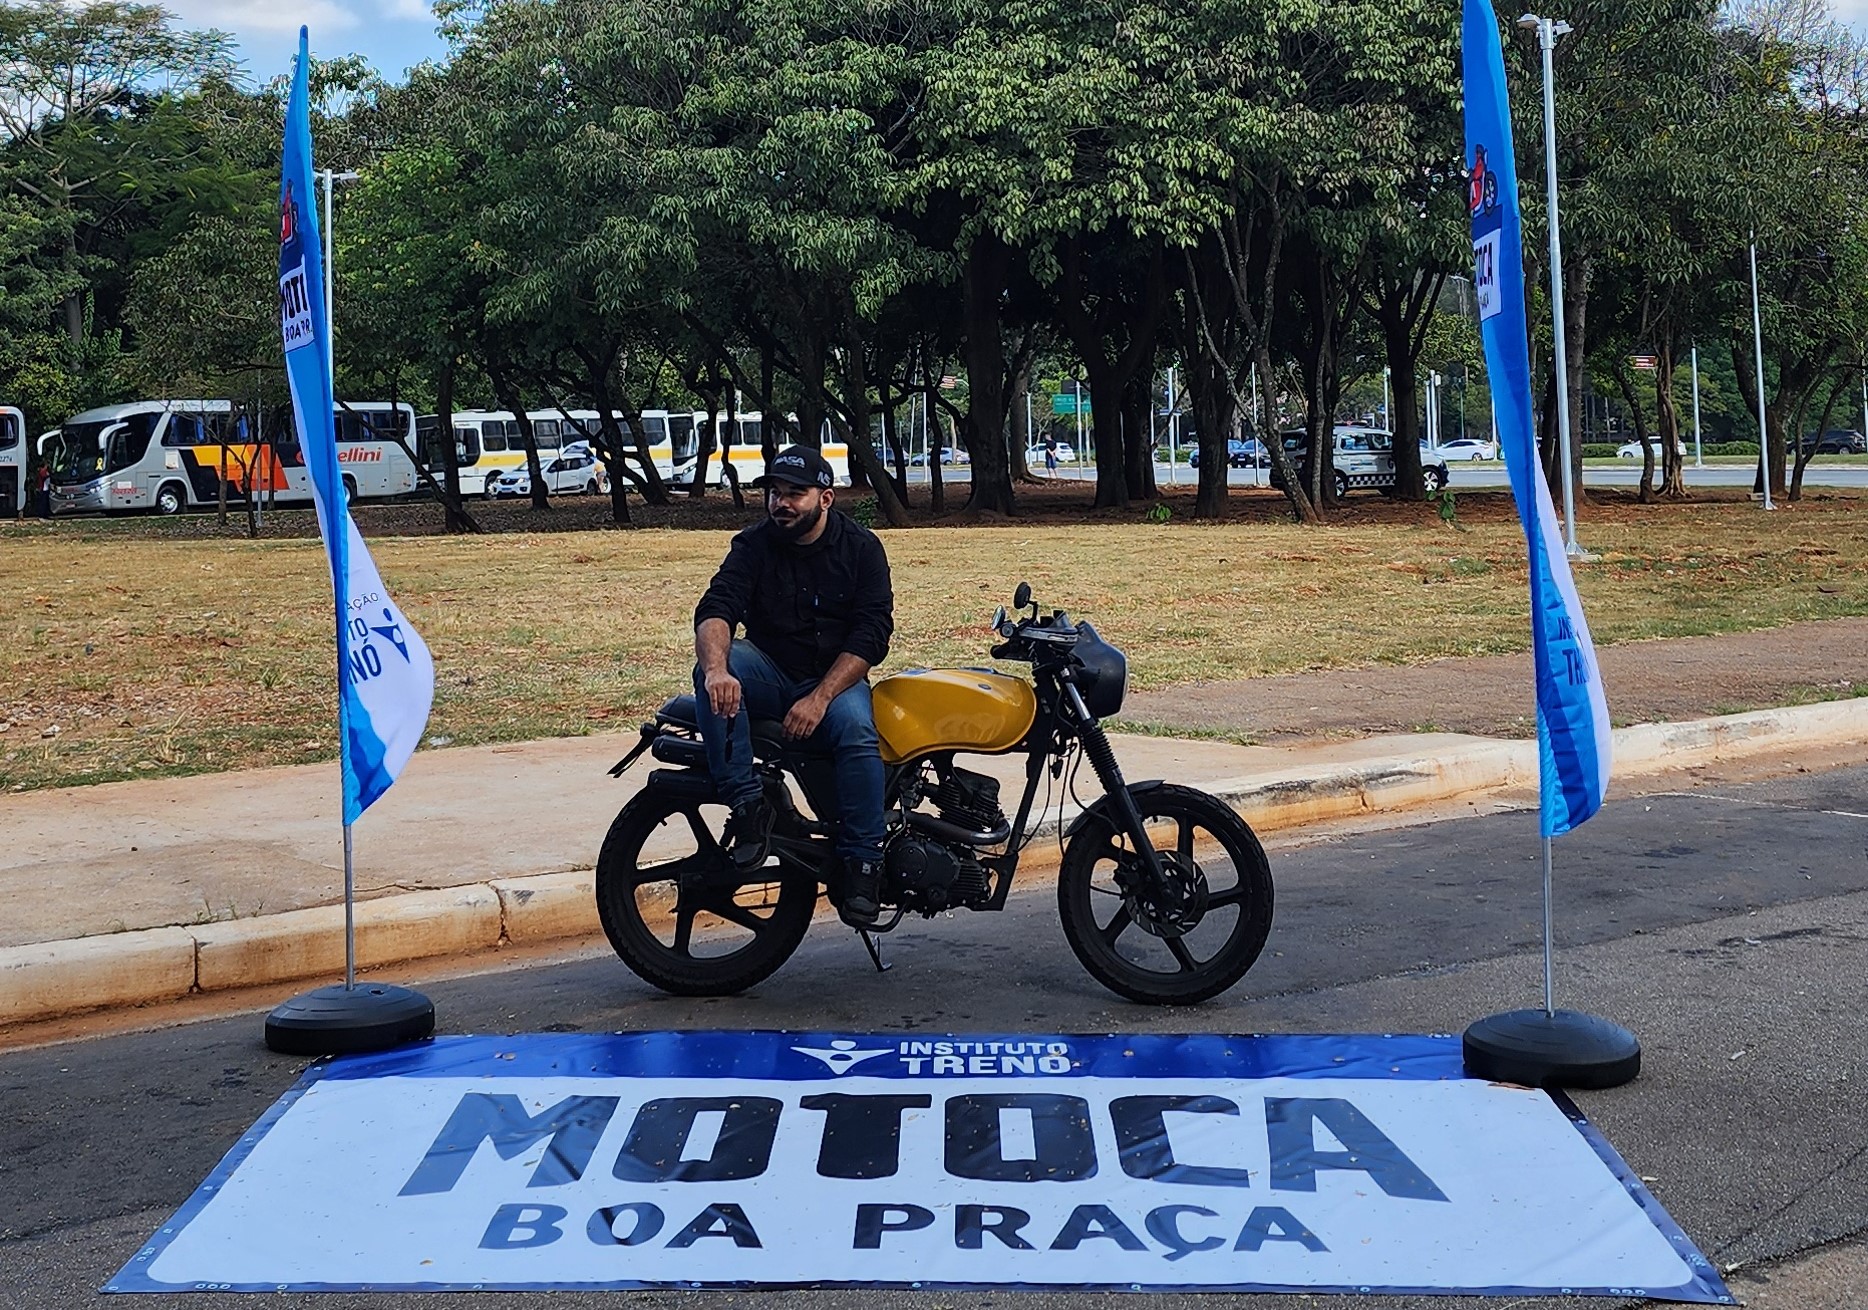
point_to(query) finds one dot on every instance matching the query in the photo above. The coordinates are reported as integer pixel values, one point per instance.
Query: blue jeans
(848, 732)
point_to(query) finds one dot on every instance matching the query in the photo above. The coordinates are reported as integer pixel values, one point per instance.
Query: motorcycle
(1164, 892)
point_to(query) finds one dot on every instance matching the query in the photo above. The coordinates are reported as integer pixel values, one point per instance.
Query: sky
(392, 34)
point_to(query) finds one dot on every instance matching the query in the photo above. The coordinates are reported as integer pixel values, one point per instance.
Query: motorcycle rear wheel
(1177, 954)
(679, 916)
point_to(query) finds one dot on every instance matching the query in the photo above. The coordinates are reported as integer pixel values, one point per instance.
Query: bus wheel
(350, 489)
(171, 499)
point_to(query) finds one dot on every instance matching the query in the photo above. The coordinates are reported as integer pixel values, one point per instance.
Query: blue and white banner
(714, 1159)
(1572, 714)
(386, 678)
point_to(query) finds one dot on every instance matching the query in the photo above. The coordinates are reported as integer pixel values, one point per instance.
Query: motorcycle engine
(930, 876)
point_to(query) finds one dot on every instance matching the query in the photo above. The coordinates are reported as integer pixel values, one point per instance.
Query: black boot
(862, 893)
(748, 835)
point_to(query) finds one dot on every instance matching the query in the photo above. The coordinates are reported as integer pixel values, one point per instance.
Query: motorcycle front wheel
(678, 913)
(1182, 944)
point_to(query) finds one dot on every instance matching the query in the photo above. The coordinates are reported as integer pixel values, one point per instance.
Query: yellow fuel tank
(925, 710)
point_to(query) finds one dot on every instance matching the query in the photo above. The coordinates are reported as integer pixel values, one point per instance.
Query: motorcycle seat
(768, 735)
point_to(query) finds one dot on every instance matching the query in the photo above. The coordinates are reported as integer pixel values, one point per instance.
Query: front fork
(1109, 773)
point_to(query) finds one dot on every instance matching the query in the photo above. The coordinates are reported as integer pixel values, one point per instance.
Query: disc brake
(1176, 906)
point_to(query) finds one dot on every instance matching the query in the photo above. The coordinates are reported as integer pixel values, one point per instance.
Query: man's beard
(801, 526)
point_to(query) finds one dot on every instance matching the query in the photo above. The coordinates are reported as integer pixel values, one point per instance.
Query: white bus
(171, 455)
(740, 443)
(15, 490)
(488, 442)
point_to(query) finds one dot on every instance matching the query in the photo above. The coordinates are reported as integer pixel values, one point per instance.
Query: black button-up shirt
(805, 605)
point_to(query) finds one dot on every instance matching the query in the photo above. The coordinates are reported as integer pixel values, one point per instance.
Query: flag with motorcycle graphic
(385, 676)
(1572, 713)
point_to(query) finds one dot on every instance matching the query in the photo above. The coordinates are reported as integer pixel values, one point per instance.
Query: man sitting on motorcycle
(812, 589)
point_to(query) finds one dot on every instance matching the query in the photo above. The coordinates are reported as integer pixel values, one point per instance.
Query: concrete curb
(49, 980)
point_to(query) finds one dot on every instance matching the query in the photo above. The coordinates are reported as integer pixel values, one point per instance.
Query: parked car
(1363, 459)
(1065, 452)
(1632, 449)
(564, 475)
(1466, 448)
(1239, 454)
(948, 455)
(1836, 441)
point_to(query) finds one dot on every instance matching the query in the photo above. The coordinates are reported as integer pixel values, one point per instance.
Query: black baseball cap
(801, 466)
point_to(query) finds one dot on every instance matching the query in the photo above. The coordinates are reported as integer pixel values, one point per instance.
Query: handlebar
(1024, 637)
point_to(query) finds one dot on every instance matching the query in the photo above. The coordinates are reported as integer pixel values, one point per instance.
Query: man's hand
(802, 718)
(723, 693)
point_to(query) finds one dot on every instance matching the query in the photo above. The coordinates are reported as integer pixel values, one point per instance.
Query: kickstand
(875, 950)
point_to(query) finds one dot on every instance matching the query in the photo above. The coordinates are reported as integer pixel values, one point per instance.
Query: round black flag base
(339, 1020)
(1535, 1048)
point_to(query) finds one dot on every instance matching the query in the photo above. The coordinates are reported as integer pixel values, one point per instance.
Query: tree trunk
(1017, 441)
(1625, 385)
(892, 439)
(987, 271)
(864, 466)
(454, 517)
(1106, 387)
(508, 397)
(1575, 321)
(1138, 448)
(1214, 414)
(1667, 422)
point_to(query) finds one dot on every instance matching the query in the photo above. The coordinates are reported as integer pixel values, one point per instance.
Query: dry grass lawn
(127, 658)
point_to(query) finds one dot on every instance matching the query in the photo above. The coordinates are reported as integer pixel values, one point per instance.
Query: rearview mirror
(1021, 597)
(998, 619)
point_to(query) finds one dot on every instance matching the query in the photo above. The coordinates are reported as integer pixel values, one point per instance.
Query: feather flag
(385, 676)
(1572, 713)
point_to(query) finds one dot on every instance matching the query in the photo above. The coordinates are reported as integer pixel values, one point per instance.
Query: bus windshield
(75, 454)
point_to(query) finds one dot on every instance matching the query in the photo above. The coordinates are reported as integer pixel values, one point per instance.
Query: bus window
(752, 431)
(183, 430)
(545, 433)
(681, 434)
(129, 441)
(655, 428)
(492, 434)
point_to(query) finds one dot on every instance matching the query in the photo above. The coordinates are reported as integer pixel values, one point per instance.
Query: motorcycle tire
(1150, 956)
(660, 944)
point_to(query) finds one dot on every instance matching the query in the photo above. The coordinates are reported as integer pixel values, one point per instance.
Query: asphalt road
(1475, 476)
(1728, 927)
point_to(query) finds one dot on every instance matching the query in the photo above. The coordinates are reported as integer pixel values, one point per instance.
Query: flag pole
(385, 675)
(1545, 1047)
(350, 915)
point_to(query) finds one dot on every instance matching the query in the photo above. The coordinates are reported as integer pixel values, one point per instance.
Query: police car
(1363, 460)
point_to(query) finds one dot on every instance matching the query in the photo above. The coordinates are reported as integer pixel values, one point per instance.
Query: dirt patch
(1492, 695)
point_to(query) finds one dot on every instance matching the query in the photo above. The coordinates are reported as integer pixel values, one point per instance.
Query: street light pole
(330, 313)
(1698, 462)
(1757, 338)
(1548, 30)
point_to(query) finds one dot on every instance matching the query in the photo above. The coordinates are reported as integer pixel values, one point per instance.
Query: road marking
(1762, 805)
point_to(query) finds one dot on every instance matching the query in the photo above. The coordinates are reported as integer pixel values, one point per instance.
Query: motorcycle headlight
(1102, 672)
